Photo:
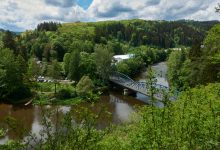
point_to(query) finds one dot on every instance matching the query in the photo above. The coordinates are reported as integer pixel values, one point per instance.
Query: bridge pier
(127, 92)
(124, 91)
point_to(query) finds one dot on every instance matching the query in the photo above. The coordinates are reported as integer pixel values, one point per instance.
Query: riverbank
(55, 101)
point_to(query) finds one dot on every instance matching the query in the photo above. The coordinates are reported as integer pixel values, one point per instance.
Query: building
(119, 58)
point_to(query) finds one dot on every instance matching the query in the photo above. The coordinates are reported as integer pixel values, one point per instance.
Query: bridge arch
(137, 86)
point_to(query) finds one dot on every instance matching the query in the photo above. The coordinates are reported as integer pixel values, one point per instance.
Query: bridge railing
(121, 76)
(138, 86)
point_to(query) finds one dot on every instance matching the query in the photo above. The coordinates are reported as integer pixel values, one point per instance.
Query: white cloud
(26, 14)
(154, 9)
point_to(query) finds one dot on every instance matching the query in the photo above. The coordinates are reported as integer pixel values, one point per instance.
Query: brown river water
(120, 107)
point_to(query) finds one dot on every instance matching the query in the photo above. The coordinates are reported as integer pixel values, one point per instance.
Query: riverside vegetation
(82, 52)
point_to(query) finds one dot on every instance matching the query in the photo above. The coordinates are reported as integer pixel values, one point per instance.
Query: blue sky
(20, 15)
(84, 3)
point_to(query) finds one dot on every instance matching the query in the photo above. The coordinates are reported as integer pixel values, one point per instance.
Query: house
(119, 58)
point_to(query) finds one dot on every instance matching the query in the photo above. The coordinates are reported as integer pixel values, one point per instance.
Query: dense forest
(82, 53)
(198, 64)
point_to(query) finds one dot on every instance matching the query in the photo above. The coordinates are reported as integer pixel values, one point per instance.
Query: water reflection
(29, 118)
(24, 118)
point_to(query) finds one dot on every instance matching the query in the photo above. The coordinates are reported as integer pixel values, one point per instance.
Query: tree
(74, 69)
(54, 72)
(1, 42)
(34, 69)
(66, 60)
(175, 64)
(103, 57)
(8, 41)
(84, 86)
(11, 76)
(22, 64)
(151, 85)
(37, 50)
(211, 56)
(115, 47)
(48, 26)
(46, 52)
(134, 40)
(88, 65)
(57, 46)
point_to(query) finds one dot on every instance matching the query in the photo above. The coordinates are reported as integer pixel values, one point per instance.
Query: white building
(119, 58)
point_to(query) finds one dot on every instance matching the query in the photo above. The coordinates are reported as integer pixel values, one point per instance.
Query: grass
(77, 28)
(45, 95)
(45, 101)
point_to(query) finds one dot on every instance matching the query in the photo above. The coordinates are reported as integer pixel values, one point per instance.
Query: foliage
(166, 34)
(11, 76)
(84, 86)
(44, 100)
(151, 85)
(48, 26)
(66, 60)
(191, 122)
(88, 65)
(74, 63)
(198, 65)
(131, 67)
(9, 41)
(70, 133)
(210, 55)
(103, 57)
(64, 94)
(2, 133)
(51, 41)
(93, 97)
(143, 56)
(175, 64)
(12, 145)
(54, 72)
(59, 49)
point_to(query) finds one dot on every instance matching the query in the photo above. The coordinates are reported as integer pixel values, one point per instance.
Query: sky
(21, 15)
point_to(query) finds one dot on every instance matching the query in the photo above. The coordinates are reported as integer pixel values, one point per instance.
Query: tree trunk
(55, 90)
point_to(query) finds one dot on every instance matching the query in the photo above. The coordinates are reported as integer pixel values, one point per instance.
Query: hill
(137, 32)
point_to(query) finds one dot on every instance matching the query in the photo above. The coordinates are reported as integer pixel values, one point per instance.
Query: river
(121, 107)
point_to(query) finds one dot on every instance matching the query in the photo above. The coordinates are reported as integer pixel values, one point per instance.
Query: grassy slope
(77, 28)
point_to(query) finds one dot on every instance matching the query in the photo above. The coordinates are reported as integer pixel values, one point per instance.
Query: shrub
(64, 94)
(20, 93)
(84, 86)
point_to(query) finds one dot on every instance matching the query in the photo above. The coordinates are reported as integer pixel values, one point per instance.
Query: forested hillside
(78, 47)
(50, 39)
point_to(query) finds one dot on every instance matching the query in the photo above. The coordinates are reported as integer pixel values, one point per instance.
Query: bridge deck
(125, 81)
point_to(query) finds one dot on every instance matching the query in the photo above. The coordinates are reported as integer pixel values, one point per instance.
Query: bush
(20, 93)
(123, 67)
(84, 86)
(64, 94)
